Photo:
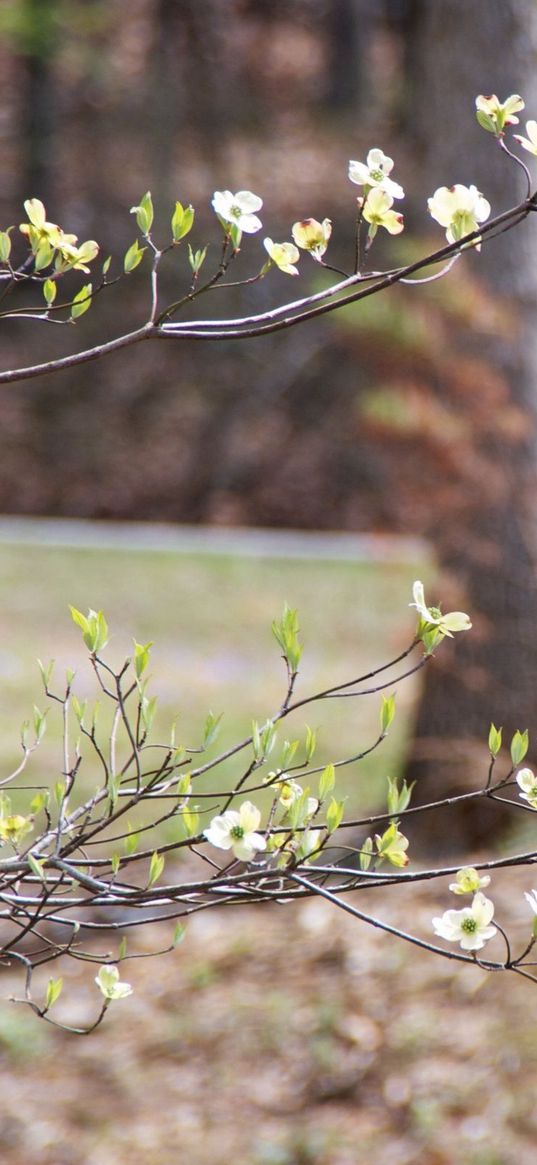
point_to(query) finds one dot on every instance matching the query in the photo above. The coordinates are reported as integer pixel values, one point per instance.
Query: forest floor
(283, 1036)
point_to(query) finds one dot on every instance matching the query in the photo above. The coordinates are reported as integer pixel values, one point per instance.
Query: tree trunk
(487, 545)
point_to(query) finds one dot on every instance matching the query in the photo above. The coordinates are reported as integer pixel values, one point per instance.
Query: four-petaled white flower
(238, 209)
(284, 255)
(467, 881)
(459, 209)
(493, 114)
(527, 781)
(236, 830)
(377, 211)
(529, 143)
(375, 173)
(447, 624)
(312, 235)
(109, 984)
(470, 927)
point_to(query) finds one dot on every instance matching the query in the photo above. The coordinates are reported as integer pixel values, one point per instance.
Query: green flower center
(469, 925)
(377, 175)
(237, 832)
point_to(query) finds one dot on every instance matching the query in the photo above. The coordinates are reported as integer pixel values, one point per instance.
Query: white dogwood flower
(236, 830)
(109, 983)
(493, 114)
(374, 172)
(467, 881)
(459, 209)
(447, 624)
(470, 926)
(529, 143)
(238, 209)
(527, 782)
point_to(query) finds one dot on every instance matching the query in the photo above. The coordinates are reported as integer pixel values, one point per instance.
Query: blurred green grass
(210, 617)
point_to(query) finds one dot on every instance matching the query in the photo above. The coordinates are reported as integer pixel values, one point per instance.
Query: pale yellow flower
(493, 114)
(313, 236)
(459, 209)
(283, 255)
(467, 881)
(377, 211)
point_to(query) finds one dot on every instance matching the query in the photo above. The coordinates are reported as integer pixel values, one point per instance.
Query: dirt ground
(292, 1035)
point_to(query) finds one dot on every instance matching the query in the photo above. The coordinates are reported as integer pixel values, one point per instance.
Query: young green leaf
(366, 853)
(113, 787)
(191, 821)
(196, 259)
(184, 785)
(334, 815)
(212, 728)
(397, 798)
(287, 754)
(387, 712)
(5, 246)
(141, 657)
(519, 747)
(133, 257)
(156, 867)
(144, 213)
(50, 288)
(495, 740)
(178, 934)
(182, 220)
(285, 632)
(327, 781)
(94, 628)
(148, 707)
(79, 708)
(54, 990)
(131, 841)
(40, 724)
(40, 801)
(310, 744)
(81, 301)
(46, 672)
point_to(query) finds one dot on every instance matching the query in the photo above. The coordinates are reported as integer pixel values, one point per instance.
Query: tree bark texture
(485, 544)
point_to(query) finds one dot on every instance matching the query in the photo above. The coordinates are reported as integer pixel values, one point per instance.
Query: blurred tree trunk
(486, 548)
(348, 30)
(35, 40)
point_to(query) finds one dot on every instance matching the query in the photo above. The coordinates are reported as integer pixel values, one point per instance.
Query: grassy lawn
(210, 618)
